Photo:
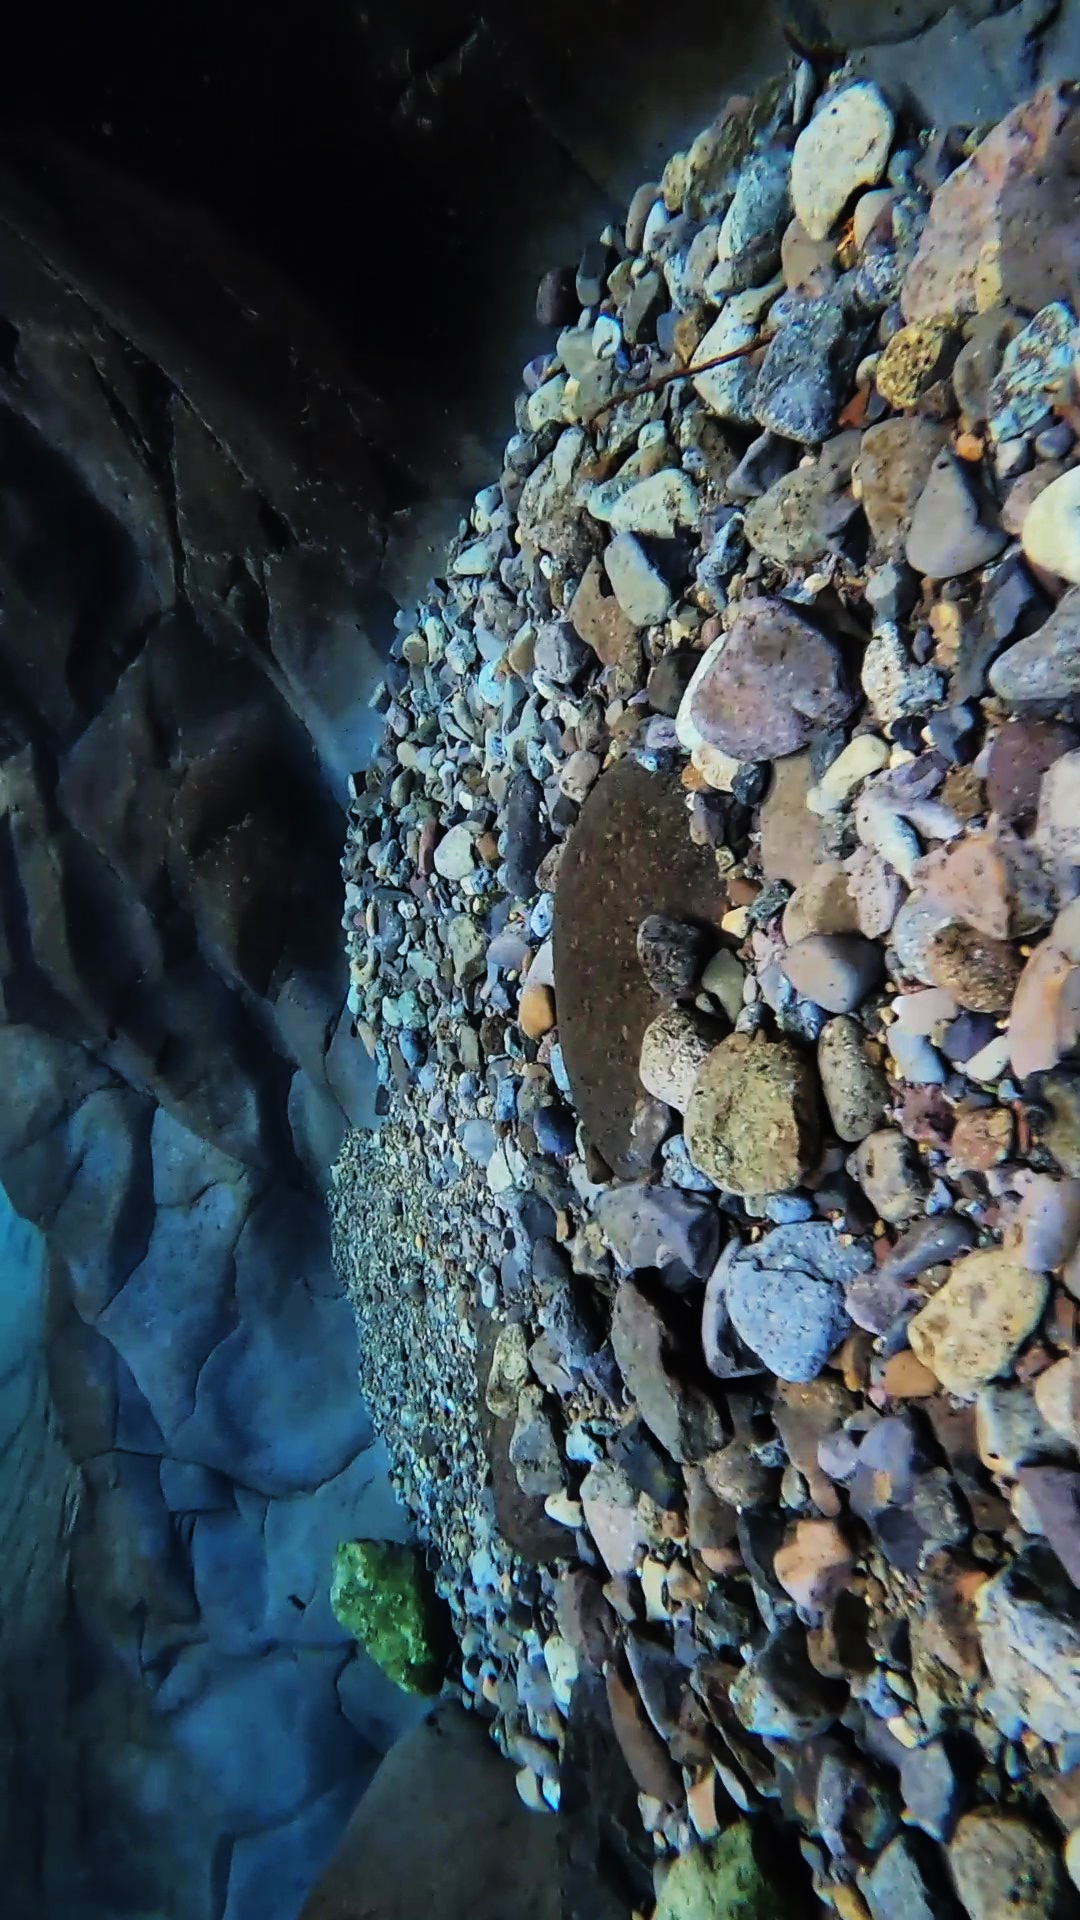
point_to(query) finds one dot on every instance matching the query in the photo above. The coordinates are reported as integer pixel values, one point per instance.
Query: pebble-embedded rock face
(777, 1194)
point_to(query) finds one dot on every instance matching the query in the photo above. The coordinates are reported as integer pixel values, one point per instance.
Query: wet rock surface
(775, 1181)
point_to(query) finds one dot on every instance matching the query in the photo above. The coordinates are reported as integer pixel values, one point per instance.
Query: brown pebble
(981, 1139)
(905, 1378)
(980, 973)
(536, 1012)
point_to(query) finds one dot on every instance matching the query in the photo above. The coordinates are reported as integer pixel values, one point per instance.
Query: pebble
(748, 243)
(671, 953)
(648, 1227)
(642, 1748)
(1044, 667)
(845, 147)
(972, 1329)
(1011, 1428)
(785, 1295)
(724, 978)
(1019, 756)
(559, 654)
(1057, 1397)
(952, 529)
(815, 1565)
(455, 855)
(536, 1011)
(898, 1886)
(1044, 1022)
(657, 506)
(980, 973)
(915, 357)
(836, 971)
(764, 686)
(751, 1119)
(1034, 369)
(890, 475)
(674, 1049)
(533, 1450)
(729, 390)
(579, 776)
(802, 515)
(641, 591)
(1051, 528)
(1004, 1868)
(680, 1414)
(807, 368)
(887, 1169)
(856, 1091)
(864, 756)
(778, 1693)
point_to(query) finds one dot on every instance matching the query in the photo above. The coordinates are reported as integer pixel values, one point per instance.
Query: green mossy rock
(382, 1594)
(721, 1881)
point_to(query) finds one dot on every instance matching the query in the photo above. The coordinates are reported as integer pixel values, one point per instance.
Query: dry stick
(682, 373)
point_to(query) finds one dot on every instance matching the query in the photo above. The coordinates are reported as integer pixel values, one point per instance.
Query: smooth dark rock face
(629, 855)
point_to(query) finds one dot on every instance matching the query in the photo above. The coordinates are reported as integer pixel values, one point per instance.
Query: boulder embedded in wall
(187, 1488)
(316, 1124)
(283, 1249)
(129, 1574)
(184, 1165)
(43, 1079)
(307, 1009)
(103, 1224)
(288, 1858)
(213, 1069)
(91, 939)
(253, 1404)
(65, 391)
(62, 557)
(177, 1305)
(477, 1852)
(82, 1384)
(351, 1074)
(302, 1534)
(116, 786)
(228, 1565)
(224, 525)
(320, 633)
(286, 1703)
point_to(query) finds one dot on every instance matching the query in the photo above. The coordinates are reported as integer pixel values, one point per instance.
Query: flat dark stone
(629, 855)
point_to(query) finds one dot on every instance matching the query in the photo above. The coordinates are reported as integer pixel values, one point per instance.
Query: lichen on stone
(381, 1593)
(720, 1881)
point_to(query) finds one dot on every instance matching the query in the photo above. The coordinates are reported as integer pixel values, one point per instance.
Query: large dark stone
(629, 855)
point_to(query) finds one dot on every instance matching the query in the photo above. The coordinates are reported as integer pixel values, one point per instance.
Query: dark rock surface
(629, 855)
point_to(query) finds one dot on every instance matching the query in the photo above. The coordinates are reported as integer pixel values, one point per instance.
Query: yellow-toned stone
(912, 361)
(975, 1324)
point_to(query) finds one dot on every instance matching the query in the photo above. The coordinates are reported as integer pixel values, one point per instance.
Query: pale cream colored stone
(973, 1327)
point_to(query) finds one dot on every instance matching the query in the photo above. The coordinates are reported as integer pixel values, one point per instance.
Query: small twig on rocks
(682, 373)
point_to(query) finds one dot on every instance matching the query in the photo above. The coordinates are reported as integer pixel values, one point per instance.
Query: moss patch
(721, 1881)
(382, 1594)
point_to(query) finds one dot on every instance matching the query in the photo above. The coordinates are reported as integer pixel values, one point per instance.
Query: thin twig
(681, 373)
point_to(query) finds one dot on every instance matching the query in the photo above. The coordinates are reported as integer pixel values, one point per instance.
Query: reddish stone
(981, 1139)
(775, 681)
(1019, 756)
(642, 1748)
(1003, 229)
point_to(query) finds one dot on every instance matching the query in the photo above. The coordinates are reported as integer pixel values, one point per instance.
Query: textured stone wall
(189, 534)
